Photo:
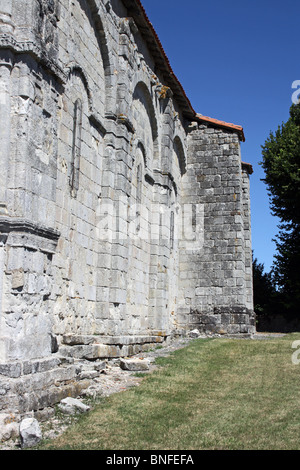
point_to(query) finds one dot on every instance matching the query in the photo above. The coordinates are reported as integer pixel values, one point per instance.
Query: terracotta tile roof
(223, 124)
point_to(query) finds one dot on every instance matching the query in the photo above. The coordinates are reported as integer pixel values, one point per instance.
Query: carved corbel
(163, 92)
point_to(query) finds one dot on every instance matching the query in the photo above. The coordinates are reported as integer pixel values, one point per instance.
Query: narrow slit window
(139, 197)
(194, 217)
(172, 230)
(76, 148)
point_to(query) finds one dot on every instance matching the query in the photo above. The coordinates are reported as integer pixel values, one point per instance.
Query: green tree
(281, 163)
(263, 289)
(267, 299)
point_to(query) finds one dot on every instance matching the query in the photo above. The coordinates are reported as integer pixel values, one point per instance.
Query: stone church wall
(102, 164)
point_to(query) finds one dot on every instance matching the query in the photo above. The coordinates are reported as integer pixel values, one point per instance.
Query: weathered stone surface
(90, 352)
(9, 426)
(134, 364)
(30, 432)
(72, 406)
(37, 366)
(11, 369)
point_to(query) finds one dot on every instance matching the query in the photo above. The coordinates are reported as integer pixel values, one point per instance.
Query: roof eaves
(223, 124)
(172, 80)
(170, 76)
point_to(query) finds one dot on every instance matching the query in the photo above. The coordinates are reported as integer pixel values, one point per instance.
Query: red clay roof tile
(226, 125)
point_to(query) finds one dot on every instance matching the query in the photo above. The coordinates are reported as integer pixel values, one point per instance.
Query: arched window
(76, 148)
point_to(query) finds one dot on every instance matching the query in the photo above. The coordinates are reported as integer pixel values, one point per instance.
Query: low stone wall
(101, 347)
(33, 385)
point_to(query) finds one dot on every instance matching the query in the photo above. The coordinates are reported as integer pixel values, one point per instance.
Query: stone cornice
(8, 41)
(10, 224)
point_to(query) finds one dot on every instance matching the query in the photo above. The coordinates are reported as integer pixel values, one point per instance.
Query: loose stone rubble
(194, 333)
(134, 364)
(110, 380)
(72, 406)
(9, 427)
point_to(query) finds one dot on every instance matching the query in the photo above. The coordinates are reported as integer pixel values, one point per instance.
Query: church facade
(124, 214)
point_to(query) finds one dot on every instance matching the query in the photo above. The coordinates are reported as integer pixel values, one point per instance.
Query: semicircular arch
(180, 153)
(141, 93)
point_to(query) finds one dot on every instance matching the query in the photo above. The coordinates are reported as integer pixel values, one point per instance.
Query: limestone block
(134, 364)
(194, 333)
(72, 406)
(9, 426)
(91, 278)
(13, 369)
(72, 340)
(17, 281)
(89, 351)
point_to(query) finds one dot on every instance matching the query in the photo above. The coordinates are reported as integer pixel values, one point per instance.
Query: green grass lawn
(215, 394)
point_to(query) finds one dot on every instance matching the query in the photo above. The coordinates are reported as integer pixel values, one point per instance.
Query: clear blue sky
(236, 61)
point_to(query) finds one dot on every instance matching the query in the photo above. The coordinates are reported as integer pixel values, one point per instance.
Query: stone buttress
(216, 268)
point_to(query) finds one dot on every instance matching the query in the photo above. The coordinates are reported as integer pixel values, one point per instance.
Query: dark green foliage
(268, 301)
(281, 163)
(264, 289)
(286, 270)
